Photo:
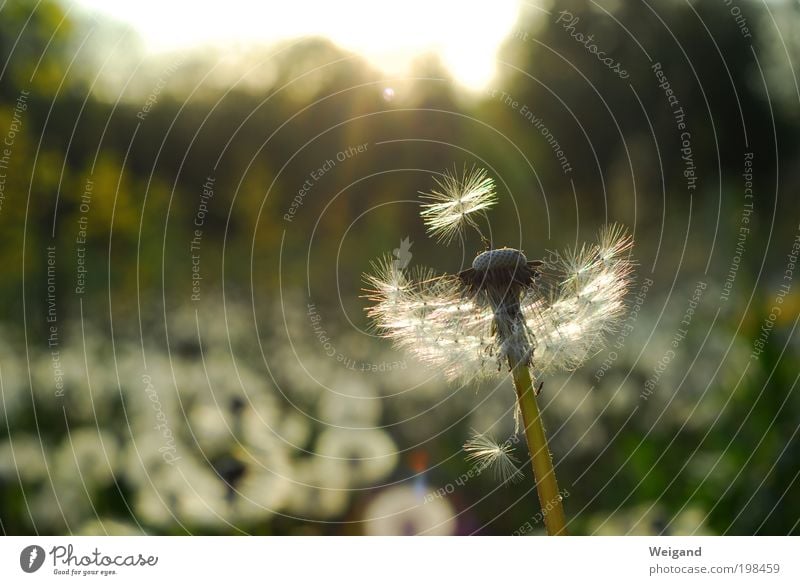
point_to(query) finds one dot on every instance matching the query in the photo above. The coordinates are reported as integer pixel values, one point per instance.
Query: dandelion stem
(546, 484)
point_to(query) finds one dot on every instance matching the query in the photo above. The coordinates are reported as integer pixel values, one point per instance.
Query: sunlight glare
(391, 36)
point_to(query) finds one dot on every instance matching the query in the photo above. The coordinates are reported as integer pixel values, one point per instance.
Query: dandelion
(486, 452)
(536, 316)
(454, 203)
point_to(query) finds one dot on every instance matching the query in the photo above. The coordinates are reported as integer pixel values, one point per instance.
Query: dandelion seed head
(485, 452)
(468, 325)
(501, 259)
(496, 280)
(455, 202)
(499, 311)
(498, 276)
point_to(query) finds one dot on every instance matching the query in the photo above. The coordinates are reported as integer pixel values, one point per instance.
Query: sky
(465, 35)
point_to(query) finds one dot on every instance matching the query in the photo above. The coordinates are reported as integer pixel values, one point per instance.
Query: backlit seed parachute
(485, 452)
(456, 201)
(446, 322)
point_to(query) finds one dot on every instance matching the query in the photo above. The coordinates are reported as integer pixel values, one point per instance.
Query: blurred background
(189, 196)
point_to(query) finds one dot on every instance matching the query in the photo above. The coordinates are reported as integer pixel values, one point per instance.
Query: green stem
(546, 484)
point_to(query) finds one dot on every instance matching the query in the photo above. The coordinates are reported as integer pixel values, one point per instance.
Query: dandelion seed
(613, 243)
(455, 202)
(486, 452)
(388, 279)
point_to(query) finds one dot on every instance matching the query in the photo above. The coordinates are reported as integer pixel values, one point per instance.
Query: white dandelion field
(510, 268)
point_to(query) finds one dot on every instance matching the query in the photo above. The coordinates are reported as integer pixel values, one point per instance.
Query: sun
(466, 36)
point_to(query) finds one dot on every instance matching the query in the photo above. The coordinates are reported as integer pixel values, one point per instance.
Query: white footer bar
(389, 560)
